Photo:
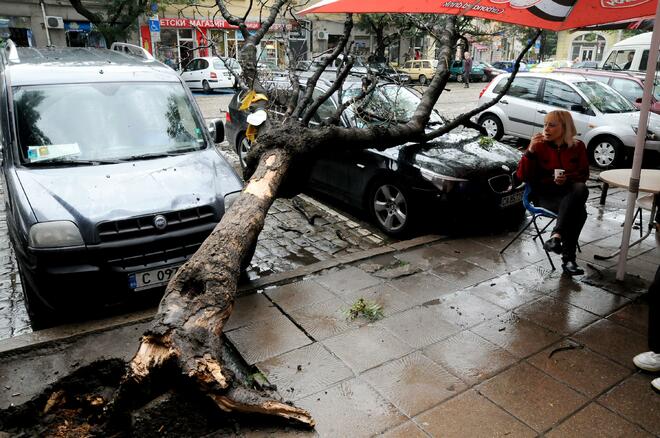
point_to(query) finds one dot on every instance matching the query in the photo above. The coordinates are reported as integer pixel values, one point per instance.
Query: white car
(605, 120)
(210, 73)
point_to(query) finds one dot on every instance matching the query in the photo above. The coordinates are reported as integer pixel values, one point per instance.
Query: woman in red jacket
(556, 167)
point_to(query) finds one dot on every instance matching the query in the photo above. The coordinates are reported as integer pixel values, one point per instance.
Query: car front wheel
(459, 78)
(605, 151)
(493, 126)
(41, 316)
(389, 202)
(206, 86)
(484, 78)
(243, 148)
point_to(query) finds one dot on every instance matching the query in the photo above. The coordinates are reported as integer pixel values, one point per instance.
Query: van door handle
(542, 111)
(504, 102)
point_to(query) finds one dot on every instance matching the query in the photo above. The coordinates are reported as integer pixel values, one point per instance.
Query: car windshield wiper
(59, 161)
(153, 155)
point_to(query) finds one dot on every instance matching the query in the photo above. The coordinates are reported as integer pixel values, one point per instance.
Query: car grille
(501, 183)
(172, 251)
(143, 226)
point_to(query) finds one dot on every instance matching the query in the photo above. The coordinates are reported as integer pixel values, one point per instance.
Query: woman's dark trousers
(568, 201)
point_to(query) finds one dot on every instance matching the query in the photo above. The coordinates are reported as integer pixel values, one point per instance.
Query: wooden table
(649, 182)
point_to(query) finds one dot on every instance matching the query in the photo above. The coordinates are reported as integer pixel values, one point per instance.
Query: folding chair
(536, 213)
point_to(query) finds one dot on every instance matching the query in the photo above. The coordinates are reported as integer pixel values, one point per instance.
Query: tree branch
(82, 10)
(341, 77)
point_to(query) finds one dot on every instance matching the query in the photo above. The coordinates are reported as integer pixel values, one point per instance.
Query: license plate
(149, 279)
(514, 198)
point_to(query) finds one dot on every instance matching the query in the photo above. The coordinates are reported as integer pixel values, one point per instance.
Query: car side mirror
(217, 130)
(579, 108)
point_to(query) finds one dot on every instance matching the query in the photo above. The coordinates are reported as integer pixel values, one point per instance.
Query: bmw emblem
(160, 222)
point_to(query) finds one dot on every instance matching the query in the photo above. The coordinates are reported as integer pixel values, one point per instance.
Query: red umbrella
(545, 14)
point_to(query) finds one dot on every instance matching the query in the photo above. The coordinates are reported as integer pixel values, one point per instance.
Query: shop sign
(187, 23)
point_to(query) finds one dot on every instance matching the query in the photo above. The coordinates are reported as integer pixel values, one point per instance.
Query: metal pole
(633, 185)
(43, 12)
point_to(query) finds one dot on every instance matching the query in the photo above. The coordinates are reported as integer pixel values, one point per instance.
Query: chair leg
(544, 228)
(516, 236)
(538, 234)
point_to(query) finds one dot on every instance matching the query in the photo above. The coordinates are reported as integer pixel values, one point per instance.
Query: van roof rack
(132, 49)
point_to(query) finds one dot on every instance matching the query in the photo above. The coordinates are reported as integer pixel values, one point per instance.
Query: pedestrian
(418, 54)
(650, 360)
(556, 167)
(467, 69)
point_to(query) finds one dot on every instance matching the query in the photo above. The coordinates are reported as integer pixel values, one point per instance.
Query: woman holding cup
(556, 167)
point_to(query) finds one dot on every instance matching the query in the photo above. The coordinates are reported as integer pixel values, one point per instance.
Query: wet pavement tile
(419, 327)
(596, 421)
(459, 248)
(642, 268)
(614, 341)
(351, 409)
(497, 263)
(423, 287)
(635, 316)
(469, 357)
(347, 280)
(516, 335)
(304, 371)
(426, 257)
(464, 309)
(631, 287)
(590, 298)
(580, 368)
(407, 430)
(556, 315)
(251, 308)
(269, 432)
(299, 294)
(413, 383)
(392, 300)
(462, 273)
(326, 319)
(262, 340)
(503, 292)
(532, 396)
(534, 275)
(636, 401)
(471, 415)
(367, 347)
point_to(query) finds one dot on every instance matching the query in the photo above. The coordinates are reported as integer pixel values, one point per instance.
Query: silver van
(112, 180)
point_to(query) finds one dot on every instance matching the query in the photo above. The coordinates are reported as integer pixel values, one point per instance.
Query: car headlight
(230, 199)
(56, 234)
(649, 134)
(444, 183)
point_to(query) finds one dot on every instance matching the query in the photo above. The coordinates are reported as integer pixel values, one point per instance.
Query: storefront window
(82, 34)
(167, 50)
(18, 29)
(218, 38)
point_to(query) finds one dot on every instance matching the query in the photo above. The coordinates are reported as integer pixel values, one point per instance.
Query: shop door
(587, 54)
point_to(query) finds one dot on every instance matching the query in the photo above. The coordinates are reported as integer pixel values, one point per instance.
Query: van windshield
(605, 99)
(78, 123)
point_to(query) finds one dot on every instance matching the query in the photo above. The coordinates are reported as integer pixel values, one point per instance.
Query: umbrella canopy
(545, 14)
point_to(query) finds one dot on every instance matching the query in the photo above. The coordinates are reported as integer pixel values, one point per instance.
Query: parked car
(477, 74)
(586, 64)
(550, 66)
(111, 179)
(630, 85)
(359, 67)
(421, 70)
(400, 185)
(210, 73)
(507, 66)
(384, 70)
(490, 70)
(605, 120)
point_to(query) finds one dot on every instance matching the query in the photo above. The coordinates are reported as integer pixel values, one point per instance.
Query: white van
(629, 54)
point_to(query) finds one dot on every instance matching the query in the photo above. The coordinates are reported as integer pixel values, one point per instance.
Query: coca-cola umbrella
(545, 14)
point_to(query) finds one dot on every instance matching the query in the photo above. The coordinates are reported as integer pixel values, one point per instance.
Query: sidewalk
(471, 344)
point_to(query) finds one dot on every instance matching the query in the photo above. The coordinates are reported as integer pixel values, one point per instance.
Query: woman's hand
(537, 139)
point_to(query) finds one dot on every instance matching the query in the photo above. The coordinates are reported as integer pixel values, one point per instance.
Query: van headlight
(56, 234)
(650, 135)
(444, 183)
(230, 199)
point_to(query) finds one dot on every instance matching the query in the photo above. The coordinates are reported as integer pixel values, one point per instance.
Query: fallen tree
(183, 348)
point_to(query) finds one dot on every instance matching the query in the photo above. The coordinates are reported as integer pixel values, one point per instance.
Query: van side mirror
(217, 130)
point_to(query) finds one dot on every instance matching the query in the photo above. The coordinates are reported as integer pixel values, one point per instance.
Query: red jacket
(539, 167)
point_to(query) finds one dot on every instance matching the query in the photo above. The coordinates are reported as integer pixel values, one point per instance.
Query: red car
(630, 86)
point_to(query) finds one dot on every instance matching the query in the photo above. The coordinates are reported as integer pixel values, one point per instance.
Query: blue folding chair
(536, 213)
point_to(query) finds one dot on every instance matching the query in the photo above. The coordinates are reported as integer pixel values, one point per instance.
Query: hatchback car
(402, 184)
(210, 73)
(421, 70)
(112, 178)
(605, 120)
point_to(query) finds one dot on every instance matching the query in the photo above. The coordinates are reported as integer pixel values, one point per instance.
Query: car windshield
(387, 104)
(85, 123)
(605, 99)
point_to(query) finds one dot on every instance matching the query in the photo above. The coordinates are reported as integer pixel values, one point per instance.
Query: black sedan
(403, 184)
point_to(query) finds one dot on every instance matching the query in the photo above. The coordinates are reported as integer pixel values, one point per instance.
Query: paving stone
(426, 257)
(636, 401)
(304, 371)
(351, 408)
(470, 357)
(635, 316)
(556, 315)
(532, 396)
(419, 327)
(346, 281)
(299, 294)
(503, 292)
(590, 298)
(325, 319)
(463, 309)
(423, 287)
(462, 273)
(471, 415)
(614, 341)
(250, 308)
(596, 421)
(407, 430)
(390, 299)
(413, 383)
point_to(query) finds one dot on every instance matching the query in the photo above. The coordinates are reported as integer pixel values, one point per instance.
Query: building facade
(585, 46)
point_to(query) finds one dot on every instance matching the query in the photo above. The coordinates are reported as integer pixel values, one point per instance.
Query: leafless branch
(341, 76)
(365, 91)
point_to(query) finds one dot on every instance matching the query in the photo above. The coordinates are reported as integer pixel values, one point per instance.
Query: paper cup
(558, 173)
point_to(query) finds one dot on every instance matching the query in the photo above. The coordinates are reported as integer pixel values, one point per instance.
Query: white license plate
(152, 278)
(511, 199)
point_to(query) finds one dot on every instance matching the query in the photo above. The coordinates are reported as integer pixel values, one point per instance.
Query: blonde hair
(567, 125)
